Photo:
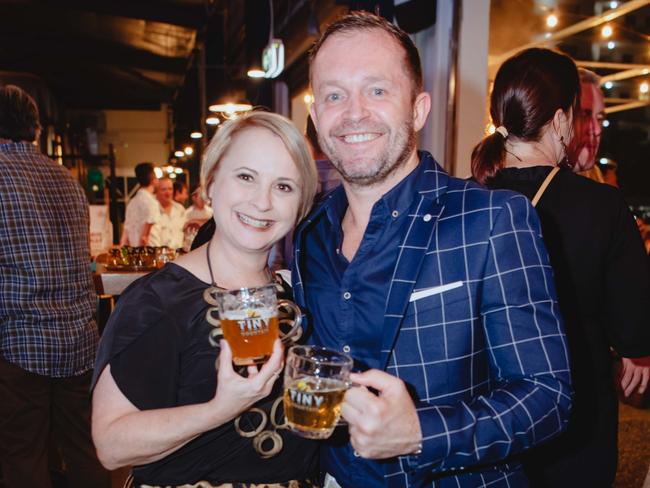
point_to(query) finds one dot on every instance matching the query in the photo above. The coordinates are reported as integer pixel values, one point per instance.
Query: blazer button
(427, 217)
(347, 295)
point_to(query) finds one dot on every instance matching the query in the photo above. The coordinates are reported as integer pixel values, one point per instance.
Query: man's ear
(314, 116)
(421, 108)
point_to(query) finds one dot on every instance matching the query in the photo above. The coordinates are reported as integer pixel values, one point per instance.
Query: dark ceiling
(103, 54)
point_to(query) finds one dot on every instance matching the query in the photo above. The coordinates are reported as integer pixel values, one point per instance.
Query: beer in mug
(315, 381)
(251, 319)
(250, 333)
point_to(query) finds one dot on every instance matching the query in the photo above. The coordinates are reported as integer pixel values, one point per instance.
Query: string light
(212, 121)
(196, 135)
(608, 85)
(613, 4)
(606, 31)
(643, 87)
(491, 129)
(178, 154)
(188, 150)
(551, 21)
(308, 98)
(611, 45)
(605, 123)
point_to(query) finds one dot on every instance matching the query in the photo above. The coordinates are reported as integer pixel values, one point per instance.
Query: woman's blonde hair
(282, 127)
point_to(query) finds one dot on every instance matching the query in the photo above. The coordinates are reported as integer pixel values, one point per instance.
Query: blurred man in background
(168, 229)
(180, 192)
(48, 338)
(142, 210)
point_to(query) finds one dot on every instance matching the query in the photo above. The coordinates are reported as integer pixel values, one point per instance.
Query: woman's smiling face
(256, 191)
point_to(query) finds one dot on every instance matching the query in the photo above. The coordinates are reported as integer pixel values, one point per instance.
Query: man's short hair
(144, 174)
(179, 186)
(587, 76)
(365, 21)
(19, 119)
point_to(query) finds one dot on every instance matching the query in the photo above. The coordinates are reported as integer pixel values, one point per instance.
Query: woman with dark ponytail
(595, 249)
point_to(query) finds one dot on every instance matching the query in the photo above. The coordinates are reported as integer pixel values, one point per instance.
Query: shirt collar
(23, 146)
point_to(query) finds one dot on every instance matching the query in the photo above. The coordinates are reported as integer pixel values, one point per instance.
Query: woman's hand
(236, 393)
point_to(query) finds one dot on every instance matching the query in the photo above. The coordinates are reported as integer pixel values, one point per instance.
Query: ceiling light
(188, 150)
(172, 176)
(611, 45)
(606, 31)
(196, 135)
(158, 172)
(608, 85)
(613, 4)
(308, 98)
(256, 73)
(551, 21)
(643, 87)
(179, 154)
(178, 171)
(212, 121)
(230, 110)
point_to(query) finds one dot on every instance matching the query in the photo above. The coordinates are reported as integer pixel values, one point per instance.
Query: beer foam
(249, 313)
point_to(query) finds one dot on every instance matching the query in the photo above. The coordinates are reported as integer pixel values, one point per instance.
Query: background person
(412, 272)
(180, 192)
(589, 127)
(142, 210)
(168, 229)
(48, 337)
(158, 402)
(596, 252)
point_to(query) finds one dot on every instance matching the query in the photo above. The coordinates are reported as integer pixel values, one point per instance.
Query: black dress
(604, 295)
(156, 342)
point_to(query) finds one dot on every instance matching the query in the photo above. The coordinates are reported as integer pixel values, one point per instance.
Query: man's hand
(635, 372)
(381, 426)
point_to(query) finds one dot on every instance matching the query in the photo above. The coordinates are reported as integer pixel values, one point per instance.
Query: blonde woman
(158, 403)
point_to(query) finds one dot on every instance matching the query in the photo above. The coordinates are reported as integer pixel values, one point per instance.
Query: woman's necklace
(267, 271)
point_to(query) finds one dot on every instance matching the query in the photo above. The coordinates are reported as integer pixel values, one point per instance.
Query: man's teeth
(354, 138)
(254, 222)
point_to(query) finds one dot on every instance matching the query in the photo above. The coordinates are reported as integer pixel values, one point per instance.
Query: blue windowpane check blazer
(472, 325)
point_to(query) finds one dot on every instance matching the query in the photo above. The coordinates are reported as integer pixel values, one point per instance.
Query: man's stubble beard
(386, 165)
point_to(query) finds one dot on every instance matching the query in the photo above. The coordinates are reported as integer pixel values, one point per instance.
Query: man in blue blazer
(439, 289)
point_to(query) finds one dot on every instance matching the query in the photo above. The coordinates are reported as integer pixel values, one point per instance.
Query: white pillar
(472, 82)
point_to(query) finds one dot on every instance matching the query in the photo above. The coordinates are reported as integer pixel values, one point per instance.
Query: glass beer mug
(249, 319)
(315, 381)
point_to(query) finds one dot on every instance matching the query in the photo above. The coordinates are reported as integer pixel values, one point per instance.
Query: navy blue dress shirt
(350, 297)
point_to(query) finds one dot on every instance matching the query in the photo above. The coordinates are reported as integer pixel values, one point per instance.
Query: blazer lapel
(414, 246)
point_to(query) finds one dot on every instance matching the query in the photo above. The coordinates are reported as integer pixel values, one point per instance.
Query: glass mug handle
(289, 314)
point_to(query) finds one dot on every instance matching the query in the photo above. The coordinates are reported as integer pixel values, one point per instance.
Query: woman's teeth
(254, 222)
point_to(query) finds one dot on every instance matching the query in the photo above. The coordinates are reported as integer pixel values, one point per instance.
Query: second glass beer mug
(249, 320)
(315, 381)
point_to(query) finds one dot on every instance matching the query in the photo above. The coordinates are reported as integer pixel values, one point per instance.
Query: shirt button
(346, 348)
(356, 454)
(347, 295)
(395, 214)
(427, 217)
(338, 251)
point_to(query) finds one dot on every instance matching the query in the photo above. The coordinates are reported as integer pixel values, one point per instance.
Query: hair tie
(503, 131)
